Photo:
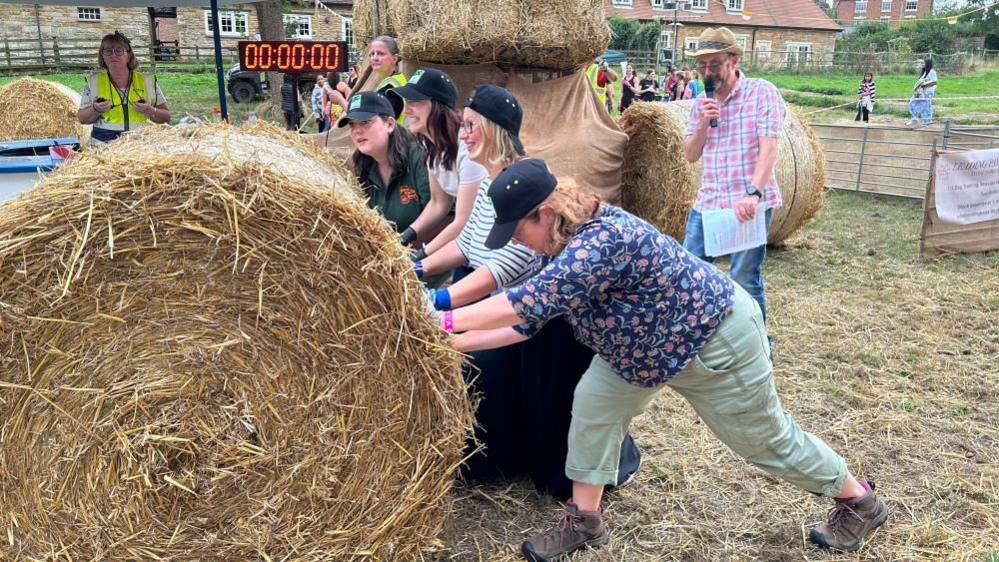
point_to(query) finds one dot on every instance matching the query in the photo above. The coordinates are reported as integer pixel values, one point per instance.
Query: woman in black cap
(386, 160)
(656, 316)
(523, 417)
(430, 96)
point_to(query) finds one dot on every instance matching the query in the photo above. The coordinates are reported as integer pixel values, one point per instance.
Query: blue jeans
(747, 266)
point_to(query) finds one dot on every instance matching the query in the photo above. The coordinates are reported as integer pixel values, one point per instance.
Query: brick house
(893, 12)
(30, 24)
(770, 31)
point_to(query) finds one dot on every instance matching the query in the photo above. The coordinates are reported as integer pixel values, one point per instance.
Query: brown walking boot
(851, 521)
(573, 530)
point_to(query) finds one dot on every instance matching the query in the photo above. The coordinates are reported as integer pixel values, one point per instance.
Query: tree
(270, 18)
(986, 22)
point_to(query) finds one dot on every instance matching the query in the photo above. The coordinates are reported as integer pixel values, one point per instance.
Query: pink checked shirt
(753, 109)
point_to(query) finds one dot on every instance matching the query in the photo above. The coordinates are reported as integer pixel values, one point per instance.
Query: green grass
(821, 91)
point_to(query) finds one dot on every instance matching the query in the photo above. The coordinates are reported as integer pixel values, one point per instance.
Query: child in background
(866, 93)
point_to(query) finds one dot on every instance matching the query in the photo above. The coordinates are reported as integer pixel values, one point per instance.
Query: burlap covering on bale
(563, 123)
(659, 185)
(551, 34)
(213, 350)
(34, 109)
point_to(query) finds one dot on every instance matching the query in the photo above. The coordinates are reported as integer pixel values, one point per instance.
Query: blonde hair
(572, 206)
(498, 149)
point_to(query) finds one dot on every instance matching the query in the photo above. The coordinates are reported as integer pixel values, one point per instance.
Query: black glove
(408, 236)
(418, 255)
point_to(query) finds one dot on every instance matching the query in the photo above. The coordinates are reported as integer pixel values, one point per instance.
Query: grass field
(811, 92)
(890, 359)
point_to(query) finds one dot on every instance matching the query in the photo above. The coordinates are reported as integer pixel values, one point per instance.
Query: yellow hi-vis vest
(122, 113)
(391, 83)
(592, 72)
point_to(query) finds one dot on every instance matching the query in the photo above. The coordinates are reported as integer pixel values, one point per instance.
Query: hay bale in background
(655, 185)
(363, 29)
(551, 34)
(212, 349)
(32, 109)
(656, 177)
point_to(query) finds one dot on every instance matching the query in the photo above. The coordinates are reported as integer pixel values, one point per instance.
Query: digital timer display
(293, 56)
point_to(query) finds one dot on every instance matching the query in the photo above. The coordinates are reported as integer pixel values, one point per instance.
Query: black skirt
(525, 394)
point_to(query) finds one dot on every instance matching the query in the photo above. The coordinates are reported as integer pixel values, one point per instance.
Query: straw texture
(31, 109)
(213, 350)
(552, 34)
(659, 185)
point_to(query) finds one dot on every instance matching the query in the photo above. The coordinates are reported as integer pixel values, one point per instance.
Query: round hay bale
(365, 12)
(551, 34)
(32, 109)
(659, 185)
(221, 354)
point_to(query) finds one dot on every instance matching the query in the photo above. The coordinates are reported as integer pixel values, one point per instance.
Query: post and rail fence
(22, 56)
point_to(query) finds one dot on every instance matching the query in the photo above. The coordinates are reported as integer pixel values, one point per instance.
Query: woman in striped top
(491, 138)
(866, 93)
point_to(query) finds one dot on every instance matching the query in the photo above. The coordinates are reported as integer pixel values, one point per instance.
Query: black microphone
(709, 91)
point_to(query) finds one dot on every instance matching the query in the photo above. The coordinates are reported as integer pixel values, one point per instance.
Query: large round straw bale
(659, 185)
(370, 20)
(32, 109)
(552, 34)
(213, 350)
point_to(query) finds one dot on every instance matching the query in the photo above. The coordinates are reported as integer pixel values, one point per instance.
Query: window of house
(231, 23)
(298, 26)
(885, 5)
(699, 5)
(666, 44)
(734, 5)
(88, 14)
(911, 5)
(622, 3)
(742, 41)
(860, 7)
(798, 53)
(691, 44)
(347, 30)
(763, 46)
(666, 5)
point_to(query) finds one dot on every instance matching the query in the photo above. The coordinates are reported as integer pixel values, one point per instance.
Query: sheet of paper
(724, 234)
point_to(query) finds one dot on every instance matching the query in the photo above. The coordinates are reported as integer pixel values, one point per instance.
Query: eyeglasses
(715, 66)
(467, 126)
(114, 51)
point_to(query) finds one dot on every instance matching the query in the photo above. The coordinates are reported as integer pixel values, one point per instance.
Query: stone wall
(821, 41)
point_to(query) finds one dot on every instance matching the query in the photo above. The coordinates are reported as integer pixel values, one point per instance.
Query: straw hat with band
(716, 40)
(499, 106)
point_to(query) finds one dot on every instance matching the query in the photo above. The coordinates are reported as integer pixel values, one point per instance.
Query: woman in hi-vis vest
(119, 98)
(384, 58)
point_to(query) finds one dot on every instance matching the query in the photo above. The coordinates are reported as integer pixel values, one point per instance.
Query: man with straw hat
(734, 129)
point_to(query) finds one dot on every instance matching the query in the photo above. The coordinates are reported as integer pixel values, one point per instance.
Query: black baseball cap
(365, 106)
(428, 84)
(516, 192)
(499, 106)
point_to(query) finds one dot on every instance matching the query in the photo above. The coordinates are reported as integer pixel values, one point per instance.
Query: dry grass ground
(890, 359)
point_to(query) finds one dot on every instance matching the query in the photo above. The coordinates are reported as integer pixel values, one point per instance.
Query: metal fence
(892, 160)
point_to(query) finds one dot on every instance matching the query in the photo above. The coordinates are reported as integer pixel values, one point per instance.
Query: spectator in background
(678, 87)
(289, 99)
(669, 82)
(334, 102)
(648, 88)
(352, 76)
(921, 104)
(629, 87)
(694, 86)
(317, 103)
(866, 93)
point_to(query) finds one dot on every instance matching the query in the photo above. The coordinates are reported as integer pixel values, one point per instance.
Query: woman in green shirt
(387, 161)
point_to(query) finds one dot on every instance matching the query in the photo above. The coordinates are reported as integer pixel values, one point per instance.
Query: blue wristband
(442, 299)
(418, 268)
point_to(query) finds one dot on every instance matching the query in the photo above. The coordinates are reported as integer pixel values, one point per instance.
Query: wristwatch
(753, 190)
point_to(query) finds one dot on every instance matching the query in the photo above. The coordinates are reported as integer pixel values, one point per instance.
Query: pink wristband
(448, 319)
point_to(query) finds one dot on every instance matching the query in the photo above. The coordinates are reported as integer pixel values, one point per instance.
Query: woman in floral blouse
(656, 316)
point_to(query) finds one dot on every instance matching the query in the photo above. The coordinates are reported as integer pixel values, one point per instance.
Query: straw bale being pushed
(659, 185)
(32, 109)
(551, 34)
(213, 350)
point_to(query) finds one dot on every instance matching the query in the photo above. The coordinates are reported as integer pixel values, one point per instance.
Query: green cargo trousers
(731, 387)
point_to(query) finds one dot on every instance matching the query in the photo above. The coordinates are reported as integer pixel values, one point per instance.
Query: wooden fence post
(197, 53)
(6, 50)
(55, 54)
(152, 56)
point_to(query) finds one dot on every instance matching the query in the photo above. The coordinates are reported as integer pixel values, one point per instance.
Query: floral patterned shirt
(631, 294)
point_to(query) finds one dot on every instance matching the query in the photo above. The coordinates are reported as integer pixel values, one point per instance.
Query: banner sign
(967, 186)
